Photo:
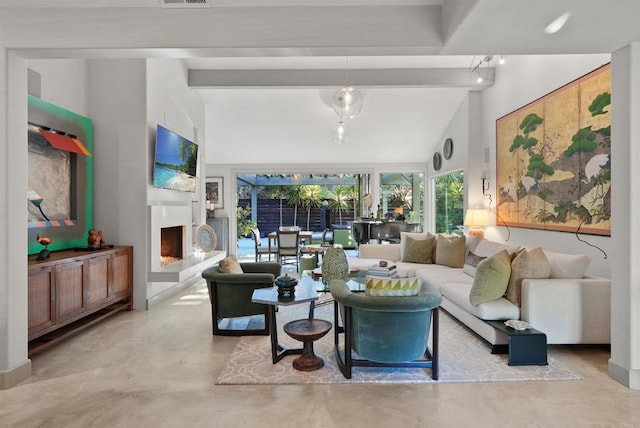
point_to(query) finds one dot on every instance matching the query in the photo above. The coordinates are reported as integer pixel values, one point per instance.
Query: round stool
(307, 331)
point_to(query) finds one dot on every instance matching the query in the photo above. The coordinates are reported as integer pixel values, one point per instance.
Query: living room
(127, 97)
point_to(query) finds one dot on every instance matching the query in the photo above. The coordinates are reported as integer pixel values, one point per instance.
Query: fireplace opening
(171, 244)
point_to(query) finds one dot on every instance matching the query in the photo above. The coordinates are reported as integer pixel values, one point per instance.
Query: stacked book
(377, 270)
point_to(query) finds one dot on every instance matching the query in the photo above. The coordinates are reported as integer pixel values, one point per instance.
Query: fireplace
(171, 240)
(171, 258)
(171, 235)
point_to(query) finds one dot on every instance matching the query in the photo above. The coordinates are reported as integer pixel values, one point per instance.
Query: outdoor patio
(246, 250)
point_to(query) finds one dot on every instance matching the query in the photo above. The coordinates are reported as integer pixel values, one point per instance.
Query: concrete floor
(157, 368)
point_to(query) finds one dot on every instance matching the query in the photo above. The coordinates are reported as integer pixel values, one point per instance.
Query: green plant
(244, 223)
(339, 197)
(312, 198)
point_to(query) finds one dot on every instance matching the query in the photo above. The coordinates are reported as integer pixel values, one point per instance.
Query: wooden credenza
(75, 289)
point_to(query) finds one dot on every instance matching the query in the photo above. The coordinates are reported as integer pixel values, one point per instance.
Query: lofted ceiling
(310, 43)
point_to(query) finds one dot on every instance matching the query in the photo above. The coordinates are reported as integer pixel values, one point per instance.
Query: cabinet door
(121, 274)
(69, 289)
(98, 279)
(41, 300)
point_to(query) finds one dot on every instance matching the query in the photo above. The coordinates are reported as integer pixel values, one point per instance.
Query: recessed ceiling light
(557, 23)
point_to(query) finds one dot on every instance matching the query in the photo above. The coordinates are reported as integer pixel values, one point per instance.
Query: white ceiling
(275, 37)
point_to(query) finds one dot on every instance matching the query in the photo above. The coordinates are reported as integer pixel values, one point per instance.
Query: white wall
(171, 103)
(465, 129)
(63, 82)
(254, 126)
(521, 80)
(14, 364)
(116, 93)
(624, 365)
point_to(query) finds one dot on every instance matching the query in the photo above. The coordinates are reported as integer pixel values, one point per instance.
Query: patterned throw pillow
(380, 286)
(418, 250)
(230, 265)
(492, 278)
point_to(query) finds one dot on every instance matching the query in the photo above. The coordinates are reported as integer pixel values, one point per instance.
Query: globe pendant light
(341, 133)
(347, 102)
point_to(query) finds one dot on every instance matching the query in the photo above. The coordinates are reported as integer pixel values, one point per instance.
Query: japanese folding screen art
(554, 159)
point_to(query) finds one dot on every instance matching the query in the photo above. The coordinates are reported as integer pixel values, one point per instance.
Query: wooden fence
(268, 211)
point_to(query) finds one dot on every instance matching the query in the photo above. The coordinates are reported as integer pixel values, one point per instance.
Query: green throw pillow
(418, 250)
(450, 250)
(492, 278)
(381, 286)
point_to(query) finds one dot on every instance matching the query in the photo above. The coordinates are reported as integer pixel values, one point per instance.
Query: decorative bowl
(286, 285)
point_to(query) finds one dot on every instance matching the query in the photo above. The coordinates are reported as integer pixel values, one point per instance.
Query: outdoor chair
(230, 295)
(289, 246)
(260, 249)
(389, 331)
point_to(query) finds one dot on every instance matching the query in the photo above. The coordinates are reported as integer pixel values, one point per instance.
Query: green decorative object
(335, 265)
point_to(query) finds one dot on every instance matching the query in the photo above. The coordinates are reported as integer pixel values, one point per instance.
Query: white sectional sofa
(570, 310)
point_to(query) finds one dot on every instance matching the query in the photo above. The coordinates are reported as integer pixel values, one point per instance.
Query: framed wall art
(215, 191)
(553, 159)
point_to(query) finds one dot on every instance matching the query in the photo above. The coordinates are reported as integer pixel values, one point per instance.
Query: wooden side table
(307, 331)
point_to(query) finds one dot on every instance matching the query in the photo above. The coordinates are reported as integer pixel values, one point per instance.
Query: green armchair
(343, 237)
(230, 295)
(385, 331)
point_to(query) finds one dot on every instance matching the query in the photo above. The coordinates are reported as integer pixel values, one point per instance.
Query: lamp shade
(476, 218)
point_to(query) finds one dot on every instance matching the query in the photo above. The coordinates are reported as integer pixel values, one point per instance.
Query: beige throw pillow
(492, 278)
(450, 250)
(527, 264)
(418, 250)
(567, 265)
(230, 265)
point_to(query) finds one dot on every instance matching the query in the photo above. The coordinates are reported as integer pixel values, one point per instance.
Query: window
(402, 196)
(449, 202)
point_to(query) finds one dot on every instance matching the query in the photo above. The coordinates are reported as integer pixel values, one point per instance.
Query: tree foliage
(449, 198)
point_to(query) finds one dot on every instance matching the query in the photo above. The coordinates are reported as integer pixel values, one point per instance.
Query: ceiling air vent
(170, 4)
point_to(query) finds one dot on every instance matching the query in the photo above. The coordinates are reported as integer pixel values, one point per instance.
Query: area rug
(464, 357)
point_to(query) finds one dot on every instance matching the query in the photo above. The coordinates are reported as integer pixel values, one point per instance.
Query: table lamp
(476, 219)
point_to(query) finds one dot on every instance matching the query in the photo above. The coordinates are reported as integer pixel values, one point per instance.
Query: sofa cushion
(471, 262)
(450, 250)
(418, 250)
(414, 235)
(527, 264)
(230, 265)
(572, 266)
(500, 309)
(438, 275)
(379, 286)
(492, 278)
(486, 248)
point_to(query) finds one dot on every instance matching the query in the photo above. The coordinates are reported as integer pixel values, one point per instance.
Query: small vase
(334, 265)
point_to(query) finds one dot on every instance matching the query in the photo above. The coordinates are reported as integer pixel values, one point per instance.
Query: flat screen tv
(175, 161)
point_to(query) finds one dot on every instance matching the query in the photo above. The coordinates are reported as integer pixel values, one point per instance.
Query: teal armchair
(230, 295)
(385, 331)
